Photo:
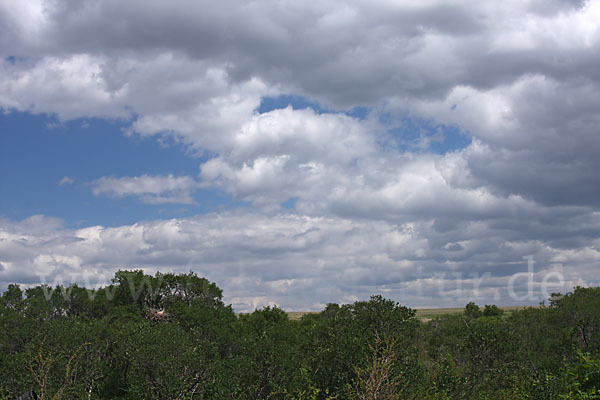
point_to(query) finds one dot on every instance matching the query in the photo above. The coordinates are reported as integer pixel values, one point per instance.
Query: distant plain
(424, 314)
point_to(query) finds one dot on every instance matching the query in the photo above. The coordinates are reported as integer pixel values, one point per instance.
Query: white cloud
(290, 153)
(150, 189)
(67, 180)
(300, 262)
(69, 86)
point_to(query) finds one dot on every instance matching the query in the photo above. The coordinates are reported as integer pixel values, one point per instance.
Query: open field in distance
(425, 314)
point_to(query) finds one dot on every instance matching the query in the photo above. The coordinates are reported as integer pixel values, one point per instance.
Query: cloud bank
(150, 189)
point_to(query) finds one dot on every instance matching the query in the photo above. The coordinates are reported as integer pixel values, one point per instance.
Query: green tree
(472, 310)
(492, 311)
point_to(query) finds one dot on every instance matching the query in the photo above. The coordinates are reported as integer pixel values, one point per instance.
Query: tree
(492, 311)
(578, 313)
(472, 310)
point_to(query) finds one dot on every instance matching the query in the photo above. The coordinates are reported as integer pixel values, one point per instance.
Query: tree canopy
(171, 336)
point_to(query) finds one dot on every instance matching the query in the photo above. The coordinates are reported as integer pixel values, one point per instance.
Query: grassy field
(425, 314)
(296, 315)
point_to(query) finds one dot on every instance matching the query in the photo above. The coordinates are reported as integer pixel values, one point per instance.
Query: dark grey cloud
(351, 53)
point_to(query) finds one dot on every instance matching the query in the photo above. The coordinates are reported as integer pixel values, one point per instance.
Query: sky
(302, 153)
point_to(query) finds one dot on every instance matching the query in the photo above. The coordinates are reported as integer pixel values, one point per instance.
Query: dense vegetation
(171, 337)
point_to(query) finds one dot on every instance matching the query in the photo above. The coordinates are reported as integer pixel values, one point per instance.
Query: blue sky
(302, 154)
(38, 151)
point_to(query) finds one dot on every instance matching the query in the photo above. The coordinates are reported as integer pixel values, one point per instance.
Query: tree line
(171, 336)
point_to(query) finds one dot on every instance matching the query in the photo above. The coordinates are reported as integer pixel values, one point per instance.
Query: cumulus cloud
(535, 137)
(345, 54)
(289, 153)
(149, 189)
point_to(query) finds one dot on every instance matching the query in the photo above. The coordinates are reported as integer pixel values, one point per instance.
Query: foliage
(472, 310)
(492, 311)
(171, 336)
